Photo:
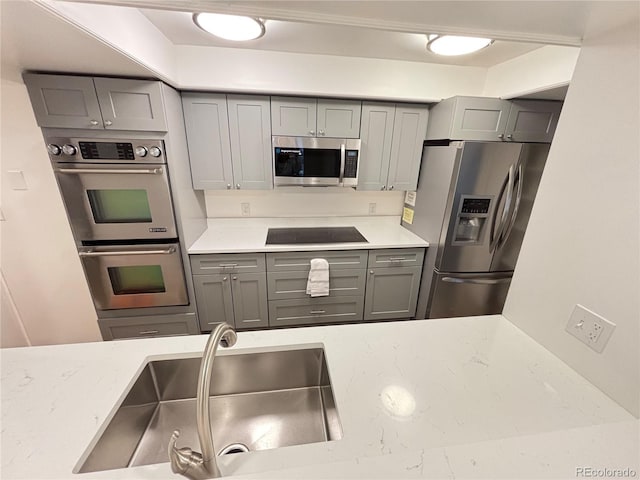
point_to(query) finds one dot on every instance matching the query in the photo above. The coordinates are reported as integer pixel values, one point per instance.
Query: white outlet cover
(590, 328)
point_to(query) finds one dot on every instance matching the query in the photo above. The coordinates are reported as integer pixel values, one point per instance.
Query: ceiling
(331, 39)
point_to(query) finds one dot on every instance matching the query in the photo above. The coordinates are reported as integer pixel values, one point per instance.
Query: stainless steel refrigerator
(472, 205)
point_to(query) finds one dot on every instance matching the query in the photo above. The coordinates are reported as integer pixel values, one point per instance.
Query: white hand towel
(318, 281)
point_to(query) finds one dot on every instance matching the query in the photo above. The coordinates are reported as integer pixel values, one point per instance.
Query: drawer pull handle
(314, 312)
(149, 332)
(395, 259)
(225, 265)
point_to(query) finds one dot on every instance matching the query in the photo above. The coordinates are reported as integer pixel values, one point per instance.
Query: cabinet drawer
(227, 263)
(299, 261)
(282, 285)
(309, 311)
(152, 326)
(397, 257)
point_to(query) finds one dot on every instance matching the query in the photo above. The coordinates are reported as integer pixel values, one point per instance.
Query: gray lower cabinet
(315, 311)
(66, 101)
(392, 292)
(152, 326)
(284, 285)
(230, 288)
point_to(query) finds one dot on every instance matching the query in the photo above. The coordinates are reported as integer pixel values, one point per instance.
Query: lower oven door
(117, 202)
(135, 276)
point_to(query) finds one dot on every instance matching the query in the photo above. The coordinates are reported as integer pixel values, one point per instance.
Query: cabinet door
(391, 292)
(410, 126)
(250, 300)
(131, 104)
(477, 118)
(205, 118)
(64, 101)
(338, 118)
(375, 150)
(213, 300)
(532, 120)
(294, 117)
(250, 134)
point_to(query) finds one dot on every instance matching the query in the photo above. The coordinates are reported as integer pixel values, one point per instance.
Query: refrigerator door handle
(508, 184)
(520, 179)
(477, 281)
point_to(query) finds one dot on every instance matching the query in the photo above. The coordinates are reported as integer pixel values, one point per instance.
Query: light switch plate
(245, 207)
(590, 328)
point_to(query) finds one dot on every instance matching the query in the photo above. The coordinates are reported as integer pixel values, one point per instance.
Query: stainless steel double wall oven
(117, 196)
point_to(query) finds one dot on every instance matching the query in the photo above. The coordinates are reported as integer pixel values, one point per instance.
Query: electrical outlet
(246, 209)
(372, 209)
(590, 328)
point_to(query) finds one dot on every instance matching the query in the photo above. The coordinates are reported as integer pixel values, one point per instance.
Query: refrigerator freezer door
(480, 206)
(527, 179)
(460, 294)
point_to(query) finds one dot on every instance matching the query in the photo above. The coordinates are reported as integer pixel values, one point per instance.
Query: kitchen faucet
(186, 462)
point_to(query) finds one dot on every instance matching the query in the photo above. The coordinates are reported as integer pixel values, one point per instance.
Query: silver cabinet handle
(226, 265)
(321, 132)
(371, 272)
(314, 312)
(312, 132)
(391, 187)
(108, 123)
(149, 332)
(235, 278)
(228, 186)
(224, 279)
(501, 136)
(94, 122)
(384, 187)
(238, 186)
(476, 281)
(149, 171)
(116, 253)
(509, 137)
(396, 259)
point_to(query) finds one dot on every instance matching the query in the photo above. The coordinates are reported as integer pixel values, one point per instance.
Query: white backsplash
(302, 202)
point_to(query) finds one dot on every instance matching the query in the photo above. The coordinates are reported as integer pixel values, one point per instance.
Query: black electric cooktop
(292, 236)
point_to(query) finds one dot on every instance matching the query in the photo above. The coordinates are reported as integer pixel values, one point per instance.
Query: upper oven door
(117, 202)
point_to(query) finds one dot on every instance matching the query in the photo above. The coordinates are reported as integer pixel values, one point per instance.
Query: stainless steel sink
(259, 400)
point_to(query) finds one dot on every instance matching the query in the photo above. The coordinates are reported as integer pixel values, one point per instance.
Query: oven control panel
(64, 150)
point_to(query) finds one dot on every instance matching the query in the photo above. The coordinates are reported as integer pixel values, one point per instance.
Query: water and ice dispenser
(471, 220)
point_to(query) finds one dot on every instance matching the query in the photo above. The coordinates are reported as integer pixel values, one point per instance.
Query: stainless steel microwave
(315, 162)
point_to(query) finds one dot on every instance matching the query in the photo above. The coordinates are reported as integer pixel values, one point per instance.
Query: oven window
(307, 162)
(119, 206)
(136, 279)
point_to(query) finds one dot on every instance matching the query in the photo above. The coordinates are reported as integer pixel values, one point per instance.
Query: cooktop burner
(287, 236)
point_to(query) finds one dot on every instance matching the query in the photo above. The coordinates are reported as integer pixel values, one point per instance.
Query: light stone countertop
(488, 402)
(243, 235)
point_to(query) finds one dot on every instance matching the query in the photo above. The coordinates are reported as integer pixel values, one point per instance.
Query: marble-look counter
(240, 235)
(453, 398)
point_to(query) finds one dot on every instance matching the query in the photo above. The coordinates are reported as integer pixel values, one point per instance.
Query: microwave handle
(343, 155)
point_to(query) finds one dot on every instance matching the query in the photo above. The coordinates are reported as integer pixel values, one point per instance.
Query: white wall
(38, 257)
(583, 240)
(300, 201)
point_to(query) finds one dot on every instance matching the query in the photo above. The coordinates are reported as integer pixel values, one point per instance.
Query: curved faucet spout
(183, 461)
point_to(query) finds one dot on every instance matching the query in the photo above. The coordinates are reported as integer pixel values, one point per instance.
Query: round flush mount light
(451, 45)
(230, 27)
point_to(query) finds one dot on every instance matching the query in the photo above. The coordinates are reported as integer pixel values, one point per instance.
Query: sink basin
(259, 400)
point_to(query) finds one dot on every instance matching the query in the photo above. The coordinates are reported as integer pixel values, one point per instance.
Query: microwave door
(127, 202)
(308, 166)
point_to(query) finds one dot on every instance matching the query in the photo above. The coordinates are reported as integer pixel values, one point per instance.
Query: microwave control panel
(351, 164)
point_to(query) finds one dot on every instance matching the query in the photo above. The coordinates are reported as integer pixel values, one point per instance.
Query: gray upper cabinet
(376, 134)
(410, 125)
(207, 126)
(250, 134)
(311, 117)
(294, 117)
(532, 120)
(338, 118)
(229, 139)
(493, 119)
(391, 150)
(64, 101)
(130, 104)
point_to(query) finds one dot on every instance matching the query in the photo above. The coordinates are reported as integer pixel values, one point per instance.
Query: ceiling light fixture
(230, 27)
(451, 45)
